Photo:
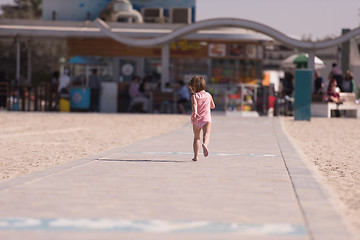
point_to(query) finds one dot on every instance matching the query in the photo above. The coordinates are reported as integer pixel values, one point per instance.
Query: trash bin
(64, 103)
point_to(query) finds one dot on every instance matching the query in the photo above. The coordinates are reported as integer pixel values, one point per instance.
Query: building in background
(229, 58)
(223, 56)
(152, 10)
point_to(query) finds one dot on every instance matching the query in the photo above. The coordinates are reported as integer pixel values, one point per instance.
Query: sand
(31, 141)
(333, 147)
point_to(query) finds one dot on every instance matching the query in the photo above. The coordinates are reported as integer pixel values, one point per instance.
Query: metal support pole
(87, 76)
(165, 63)
(311, 66)
(345, 53)
(18, 59)
(29, 69)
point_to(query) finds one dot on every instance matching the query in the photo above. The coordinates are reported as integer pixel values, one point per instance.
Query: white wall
(108, 99)
(76, 10)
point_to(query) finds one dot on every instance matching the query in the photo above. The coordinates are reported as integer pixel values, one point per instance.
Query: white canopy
(288, 63)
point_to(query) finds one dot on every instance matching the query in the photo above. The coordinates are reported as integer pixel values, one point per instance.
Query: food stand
(79, 92)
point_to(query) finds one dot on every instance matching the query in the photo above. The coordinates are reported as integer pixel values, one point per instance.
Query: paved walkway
(253, 186)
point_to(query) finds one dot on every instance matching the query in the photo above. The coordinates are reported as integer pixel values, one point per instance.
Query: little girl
(201, 103)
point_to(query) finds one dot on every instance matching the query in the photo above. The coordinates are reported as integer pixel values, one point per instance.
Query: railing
(4, 94)
(23, 97)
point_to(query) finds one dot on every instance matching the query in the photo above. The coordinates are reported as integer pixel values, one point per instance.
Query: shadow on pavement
(142, 160)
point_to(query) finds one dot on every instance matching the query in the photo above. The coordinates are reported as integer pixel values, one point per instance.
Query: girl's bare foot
(205, 150)
(194, 159)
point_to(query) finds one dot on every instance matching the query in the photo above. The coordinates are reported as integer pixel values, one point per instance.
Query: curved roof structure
(71, 29)
(225, 22)
(148, 35)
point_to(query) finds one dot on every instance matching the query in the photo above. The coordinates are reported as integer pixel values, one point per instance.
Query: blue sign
(80, 98)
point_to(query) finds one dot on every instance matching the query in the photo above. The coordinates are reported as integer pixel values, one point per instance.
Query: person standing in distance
(95, 89)
(64, 82)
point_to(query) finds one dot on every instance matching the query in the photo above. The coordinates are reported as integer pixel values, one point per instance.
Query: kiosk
(80, 92)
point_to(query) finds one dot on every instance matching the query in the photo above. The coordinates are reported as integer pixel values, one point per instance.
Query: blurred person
(348, 83)
(287, 84)
(184, 96)
(337, 74)
(55, 79)
(167, 88)
(166, 102)
(3, 91)
(143, 85)
(333, 95)
(137, 96)
(95, 90)
(319, 84)
(54, 90)
(202, 103)
(64, 82)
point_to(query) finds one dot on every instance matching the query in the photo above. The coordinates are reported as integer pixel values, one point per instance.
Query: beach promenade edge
(316, 202)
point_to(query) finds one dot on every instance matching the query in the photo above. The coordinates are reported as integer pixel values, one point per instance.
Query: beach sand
(333, 147)
(31, 141)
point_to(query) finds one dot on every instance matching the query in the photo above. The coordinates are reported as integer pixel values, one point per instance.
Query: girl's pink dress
(203, 100)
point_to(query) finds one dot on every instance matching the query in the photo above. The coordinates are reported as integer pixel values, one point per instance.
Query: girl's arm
(212, 104)
(194, 106)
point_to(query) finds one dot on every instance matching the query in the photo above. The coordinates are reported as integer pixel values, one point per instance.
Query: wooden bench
(165, 102)
(324, 109)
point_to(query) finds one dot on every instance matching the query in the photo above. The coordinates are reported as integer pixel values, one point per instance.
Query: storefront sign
(251, 51)
(236, 50)
(217, 50)
(185, 45)
(127, 69)
(184, 48)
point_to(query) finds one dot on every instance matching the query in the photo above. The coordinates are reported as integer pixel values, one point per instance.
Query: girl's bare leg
(206, 133)
(196, 144)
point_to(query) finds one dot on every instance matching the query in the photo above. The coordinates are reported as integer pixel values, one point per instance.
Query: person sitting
(333, 95)
(333, 92)
(184, 96)
(95, 91)
(319, 84)
(337, 74)
(137, 96)
(168, 88)
(348, 83)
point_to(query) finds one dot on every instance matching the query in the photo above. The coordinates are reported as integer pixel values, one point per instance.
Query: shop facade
(226, 65)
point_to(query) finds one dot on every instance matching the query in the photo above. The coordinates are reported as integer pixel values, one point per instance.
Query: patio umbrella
(300, 61)
(83, 60)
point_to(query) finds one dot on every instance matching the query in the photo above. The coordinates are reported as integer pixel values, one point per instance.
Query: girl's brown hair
(197, 83)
